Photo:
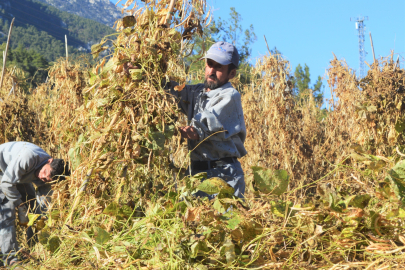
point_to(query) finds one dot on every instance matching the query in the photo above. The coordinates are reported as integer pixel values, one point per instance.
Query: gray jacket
(19, 162)
(209, 112)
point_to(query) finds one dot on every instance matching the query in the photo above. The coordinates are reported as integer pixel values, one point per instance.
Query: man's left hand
(189, 132)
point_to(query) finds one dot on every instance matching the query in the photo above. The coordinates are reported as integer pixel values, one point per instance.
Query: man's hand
(129, 65)
(189, 132)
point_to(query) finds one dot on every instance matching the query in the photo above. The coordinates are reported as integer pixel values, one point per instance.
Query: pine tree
(302, 86)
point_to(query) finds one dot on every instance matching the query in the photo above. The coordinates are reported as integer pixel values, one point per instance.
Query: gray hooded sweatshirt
(209, 112)
(18, 163)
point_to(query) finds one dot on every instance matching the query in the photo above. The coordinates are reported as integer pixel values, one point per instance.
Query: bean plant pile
(322, 192)
(18, 120)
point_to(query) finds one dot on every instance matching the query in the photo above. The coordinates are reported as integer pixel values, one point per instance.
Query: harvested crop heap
(63, 90)
(284, 132)
(18, 121)
(382, 108)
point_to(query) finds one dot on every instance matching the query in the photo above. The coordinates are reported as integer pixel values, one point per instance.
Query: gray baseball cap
(224, 53)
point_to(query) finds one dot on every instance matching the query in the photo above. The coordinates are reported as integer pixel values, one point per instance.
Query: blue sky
(309, 31)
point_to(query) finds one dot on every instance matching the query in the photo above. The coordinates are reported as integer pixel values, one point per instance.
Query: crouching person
(23, 164)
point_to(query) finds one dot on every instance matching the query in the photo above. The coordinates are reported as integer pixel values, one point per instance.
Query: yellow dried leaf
(192, 214)
(119, 68)
(179, 87)
(102, 64)
(163, 12)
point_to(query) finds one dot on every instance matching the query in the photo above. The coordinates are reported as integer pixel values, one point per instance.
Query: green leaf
(335, 206)
(194, 249)
(348, 232)
(270, 182)
(218, 206)
(400, 126)
(169, 131)
(101, 236)
(128, 31)
(111, 210)
(234, 222)
(377, 165)
(32, 218)
(385, 188)
(128, 21)
(397, 179)
(197, 248)
(279, 208)
(108, 66)
(105, 83)
(53, 244)
(201, 267)
(158, 141)
(97, 48)
(396, 213)
(401, 213)
(125, 211)
(200, 176)
(398, 171)
(360, 201)
(371, 220)
(114, 209)
(357, 148)
(215, 185)
(43, 237)
(92, 79)
(179, 207)
(74, 156)
(136, 74)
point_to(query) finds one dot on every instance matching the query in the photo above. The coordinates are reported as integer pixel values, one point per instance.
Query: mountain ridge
(42, 27)
(102, 11)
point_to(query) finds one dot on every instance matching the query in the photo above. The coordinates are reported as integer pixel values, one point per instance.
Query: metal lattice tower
(360, 26)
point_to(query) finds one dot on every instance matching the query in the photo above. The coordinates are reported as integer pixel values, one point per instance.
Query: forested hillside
(42, 28)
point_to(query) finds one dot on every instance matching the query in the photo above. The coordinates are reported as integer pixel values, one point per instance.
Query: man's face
(44, 173)
(216, 74)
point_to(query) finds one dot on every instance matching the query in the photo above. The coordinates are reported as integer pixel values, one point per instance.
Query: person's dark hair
(59, 169)
(231, 67)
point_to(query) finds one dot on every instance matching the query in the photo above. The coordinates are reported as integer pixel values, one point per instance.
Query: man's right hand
(189, 132)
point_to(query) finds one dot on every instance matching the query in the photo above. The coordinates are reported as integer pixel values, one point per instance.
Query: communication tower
(361, 27)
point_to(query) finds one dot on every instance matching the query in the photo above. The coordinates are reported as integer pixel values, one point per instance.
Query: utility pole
(360, 26)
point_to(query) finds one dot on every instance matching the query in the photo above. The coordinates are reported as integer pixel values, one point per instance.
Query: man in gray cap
(22, 164)
(216, 129)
